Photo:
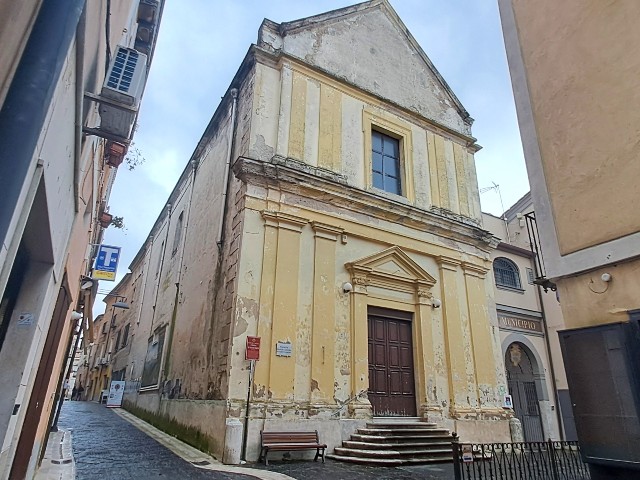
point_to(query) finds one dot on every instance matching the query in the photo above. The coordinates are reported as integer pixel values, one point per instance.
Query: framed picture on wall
(508, 402)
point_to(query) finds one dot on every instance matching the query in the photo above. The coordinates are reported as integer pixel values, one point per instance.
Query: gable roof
(316, 40)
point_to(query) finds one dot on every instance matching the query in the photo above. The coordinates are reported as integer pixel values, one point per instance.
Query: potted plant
(105, 219)
(115, 153)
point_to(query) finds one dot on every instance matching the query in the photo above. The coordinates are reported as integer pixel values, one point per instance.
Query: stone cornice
(302, 179)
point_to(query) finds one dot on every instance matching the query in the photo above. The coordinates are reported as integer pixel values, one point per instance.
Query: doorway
(521, 370)
(391, 374)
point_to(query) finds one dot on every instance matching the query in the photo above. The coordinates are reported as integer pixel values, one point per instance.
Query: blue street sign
(106, 263)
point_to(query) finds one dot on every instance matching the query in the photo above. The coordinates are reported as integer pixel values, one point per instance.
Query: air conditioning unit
(124, 84)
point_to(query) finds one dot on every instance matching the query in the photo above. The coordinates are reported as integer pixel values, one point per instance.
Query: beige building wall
(54, 221)
(521, 318)
(573, 87)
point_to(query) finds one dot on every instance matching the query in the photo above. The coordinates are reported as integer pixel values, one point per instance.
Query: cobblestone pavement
(334, 470)
(107, 447)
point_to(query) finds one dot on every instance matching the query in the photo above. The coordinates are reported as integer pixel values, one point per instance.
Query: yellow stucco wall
(328, 124)
(587, 301)
(294, 268)
(581, 81)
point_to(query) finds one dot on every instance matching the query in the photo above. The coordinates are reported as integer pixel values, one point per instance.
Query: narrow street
(108, 447)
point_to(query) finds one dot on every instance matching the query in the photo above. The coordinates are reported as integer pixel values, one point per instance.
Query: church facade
(330, 209)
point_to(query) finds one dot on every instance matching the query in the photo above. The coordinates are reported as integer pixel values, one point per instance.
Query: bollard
(517, 434)
(232, 442)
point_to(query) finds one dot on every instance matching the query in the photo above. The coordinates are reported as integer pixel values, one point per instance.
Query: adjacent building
(63, 130)
(331, 210)
(529, 318)
(576, 81)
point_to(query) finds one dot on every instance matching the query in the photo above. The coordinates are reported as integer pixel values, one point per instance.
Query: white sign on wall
(283, 349)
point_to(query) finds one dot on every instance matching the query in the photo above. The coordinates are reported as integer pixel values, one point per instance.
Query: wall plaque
(283, 349)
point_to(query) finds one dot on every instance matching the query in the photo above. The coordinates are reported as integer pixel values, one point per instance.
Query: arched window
(506, 273)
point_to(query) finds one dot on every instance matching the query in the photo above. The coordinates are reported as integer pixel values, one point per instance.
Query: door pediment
(391, 268)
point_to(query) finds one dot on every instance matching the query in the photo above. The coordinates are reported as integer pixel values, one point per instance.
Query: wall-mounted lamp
(86, 283)
(347, 287)
(120, 301)
(606, 277)
(436, 303)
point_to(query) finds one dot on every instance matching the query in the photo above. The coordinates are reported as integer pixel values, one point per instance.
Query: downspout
(29, 97)
(77, 157)
(227, 169)
(551, 367)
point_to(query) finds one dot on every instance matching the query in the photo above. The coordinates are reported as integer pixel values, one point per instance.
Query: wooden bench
(287, 441)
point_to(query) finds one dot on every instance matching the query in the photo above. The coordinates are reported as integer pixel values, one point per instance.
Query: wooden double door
(391, 372)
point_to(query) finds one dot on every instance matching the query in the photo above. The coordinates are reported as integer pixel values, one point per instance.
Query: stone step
(402, 431)
(405, 425)
(386, 462)
(443, 453)
(397, 419)
(400, 438)
(396, 445)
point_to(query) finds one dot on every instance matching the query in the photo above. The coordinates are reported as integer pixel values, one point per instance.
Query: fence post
(552, 458)
(457, 465)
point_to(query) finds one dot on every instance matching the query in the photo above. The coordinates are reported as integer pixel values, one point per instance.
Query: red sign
(253, 348)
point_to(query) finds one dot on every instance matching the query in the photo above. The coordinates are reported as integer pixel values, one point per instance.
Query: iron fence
(551, 460)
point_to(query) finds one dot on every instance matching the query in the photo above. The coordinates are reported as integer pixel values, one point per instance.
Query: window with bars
(386, 163)
(506, 273)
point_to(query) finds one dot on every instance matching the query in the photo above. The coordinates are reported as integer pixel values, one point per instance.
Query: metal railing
(550, 460)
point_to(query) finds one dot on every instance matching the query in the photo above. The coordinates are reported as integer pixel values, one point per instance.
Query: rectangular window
(530, 276)
(125, 335)
(385, 163)
(178, 235)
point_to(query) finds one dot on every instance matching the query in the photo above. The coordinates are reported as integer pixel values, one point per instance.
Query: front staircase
(390, 441)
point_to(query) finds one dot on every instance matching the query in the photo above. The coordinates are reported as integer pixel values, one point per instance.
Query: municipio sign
(253, 348)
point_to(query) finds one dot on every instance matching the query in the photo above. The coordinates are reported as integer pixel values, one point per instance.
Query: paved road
(106, 447)
(333, 470)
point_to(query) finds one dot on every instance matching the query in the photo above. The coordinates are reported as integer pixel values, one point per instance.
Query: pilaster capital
(448, 263)
(474, 270)
(359, 277)
(328, 232)
(284, 220)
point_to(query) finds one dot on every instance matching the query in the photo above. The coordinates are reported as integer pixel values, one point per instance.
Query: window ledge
(392, 196)
(510, 289)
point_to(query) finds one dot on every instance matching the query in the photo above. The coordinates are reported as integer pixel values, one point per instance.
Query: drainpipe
(77, 157)
(552, 370)
(29, 97)
(227, 170)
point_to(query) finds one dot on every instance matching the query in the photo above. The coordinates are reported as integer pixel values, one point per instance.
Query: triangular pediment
(367, 45)
(392, 263)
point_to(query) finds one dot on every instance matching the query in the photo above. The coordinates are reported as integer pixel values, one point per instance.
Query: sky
(201, 44)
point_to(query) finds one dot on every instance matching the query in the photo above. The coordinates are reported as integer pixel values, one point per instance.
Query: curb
(58, 462)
